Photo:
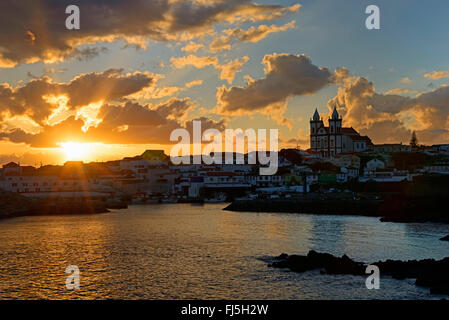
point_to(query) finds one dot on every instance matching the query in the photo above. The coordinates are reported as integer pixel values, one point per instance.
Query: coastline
(392, 208)
(143, 227)
(428, 273)
(14, 205)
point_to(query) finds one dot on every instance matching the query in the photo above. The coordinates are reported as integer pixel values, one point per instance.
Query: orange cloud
(192, 47)
(126, 123)
(406, 80)
(400, 90)
(192, 60)
(229, 70)
(38, 98)
(253, 34)
(390, 117)
(436, 75)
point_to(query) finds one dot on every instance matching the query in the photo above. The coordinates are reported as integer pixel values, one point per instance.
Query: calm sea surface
(183, 251)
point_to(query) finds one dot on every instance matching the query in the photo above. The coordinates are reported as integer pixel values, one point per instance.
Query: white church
(335, 139)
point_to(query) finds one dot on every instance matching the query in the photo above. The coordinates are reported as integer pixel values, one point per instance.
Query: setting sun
(76, 150)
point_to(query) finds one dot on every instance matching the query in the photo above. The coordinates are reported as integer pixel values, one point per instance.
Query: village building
(335, 139)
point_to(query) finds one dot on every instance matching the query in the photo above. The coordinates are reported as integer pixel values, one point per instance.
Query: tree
(291, 155)
(414, 140)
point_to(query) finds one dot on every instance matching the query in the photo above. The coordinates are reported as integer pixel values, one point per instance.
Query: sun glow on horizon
(76, 151)
(73, 150)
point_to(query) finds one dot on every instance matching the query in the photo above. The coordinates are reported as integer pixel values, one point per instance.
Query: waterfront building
(386, 175)
(438, 168)
(391, 147)
(441, 149)
(265, 181)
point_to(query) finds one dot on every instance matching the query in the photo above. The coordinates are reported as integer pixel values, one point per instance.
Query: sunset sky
(136, 70)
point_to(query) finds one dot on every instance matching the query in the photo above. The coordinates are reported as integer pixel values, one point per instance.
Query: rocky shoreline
(315, 206)
(394, 208)
(14, 205)
(429, 273)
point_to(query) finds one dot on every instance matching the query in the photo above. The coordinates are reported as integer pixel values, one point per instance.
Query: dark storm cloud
(34, 30)
(286, 75)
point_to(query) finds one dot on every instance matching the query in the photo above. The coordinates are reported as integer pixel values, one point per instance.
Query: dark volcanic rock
(315, 260)
(428, 273)
(15, 205)
(397, 208)
(312, 205)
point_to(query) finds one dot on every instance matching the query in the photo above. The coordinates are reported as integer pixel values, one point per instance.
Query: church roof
(316, 115)
(335, 113)
(362, 138)
(349, 131)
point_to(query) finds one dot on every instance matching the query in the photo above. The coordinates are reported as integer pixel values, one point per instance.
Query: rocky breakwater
(429, 273)
(315, 205)
(391, 208)
(61, 206)
(16, 205)
(403, 208)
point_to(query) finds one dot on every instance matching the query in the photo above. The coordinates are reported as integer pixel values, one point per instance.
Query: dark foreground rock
(446, 238)
(397, 208)
(315, 206)
(430, 273)
(116, 204)
(315, 260)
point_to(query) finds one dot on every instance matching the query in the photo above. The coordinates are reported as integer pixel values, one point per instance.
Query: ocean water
(184, 251)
